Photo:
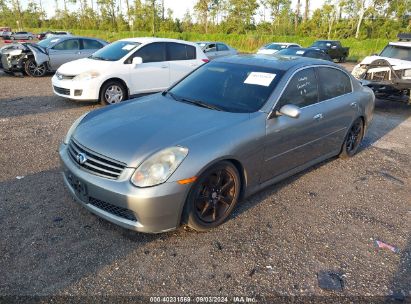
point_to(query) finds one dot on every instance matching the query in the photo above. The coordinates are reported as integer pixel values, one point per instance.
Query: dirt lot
(276, 243)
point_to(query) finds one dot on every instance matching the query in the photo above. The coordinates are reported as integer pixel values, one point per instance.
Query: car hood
(132, 131)
(79, 66)
(397, 64)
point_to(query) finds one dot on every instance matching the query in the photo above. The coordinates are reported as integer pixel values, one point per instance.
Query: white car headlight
(73, 128)
(159, 167)
(86, 76)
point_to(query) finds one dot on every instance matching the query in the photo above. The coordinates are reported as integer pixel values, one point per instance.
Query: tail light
(206, 60)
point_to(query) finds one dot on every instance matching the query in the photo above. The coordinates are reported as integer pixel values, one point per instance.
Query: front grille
(115, 210)
(62, 91)
(64, 77)
(95, 163)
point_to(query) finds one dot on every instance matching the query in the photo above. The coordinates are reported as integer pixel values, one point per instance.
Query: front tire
(213, 197)
(33, 70)
(353, 139)
(112, 92)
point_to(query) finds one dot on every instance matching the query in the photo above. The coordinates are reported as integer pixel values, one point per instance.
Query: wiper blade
(201, 104)
(98, 58)
(170, 94)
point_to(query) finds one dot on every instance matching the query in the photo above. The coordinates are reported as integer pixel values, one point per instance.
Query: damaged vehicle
(389, 73)
(37, 59)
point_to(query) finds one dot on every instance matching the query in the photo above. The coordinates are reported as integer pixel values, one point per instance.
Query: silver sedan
(214, 50)
(232, 127)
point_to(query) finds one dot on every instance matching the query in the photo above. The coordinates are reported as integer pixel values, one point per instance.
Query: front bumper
(156, 209)
(77, 90)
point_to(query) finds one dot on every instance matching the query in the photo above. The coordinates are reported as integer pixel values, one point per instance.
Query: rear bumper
(156, 209)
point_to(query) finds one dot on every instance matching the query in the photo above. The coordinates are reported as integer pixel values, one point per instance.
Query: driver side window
(301, 91)
(67, 45)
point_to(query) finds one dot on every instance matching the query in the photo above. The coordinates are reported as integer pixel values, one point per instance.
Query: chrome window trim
(308, 67)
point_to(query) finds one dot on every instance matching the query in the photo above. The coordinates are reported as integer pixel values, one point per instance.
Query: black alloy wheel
(213, 197)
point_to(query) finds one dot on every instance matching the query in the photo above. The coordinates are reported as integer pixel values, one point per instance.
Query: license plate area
(78, 186)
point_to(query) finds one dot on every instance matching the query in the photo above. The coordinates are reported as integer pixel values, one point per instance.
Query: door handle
(318, 116)
(353, 105)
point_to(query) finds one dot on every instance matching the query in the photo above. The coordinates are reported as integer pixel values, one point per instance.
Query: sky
(179, 7)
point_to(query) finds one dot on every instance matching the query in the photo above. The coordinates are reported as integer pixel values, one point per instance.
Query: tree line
(334, 19)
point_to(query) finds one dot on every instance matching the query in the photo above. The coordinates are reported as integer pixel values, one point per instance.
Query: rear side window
(179, 51)
(334, 83)
(221, 47)
(154, 52)
(67, 45)
(91, 44)
(302, 90)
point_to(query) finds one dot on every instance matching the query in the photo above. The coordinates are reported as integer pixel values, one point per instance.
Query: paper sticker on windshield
(262, 79)
(128, 47)
(300, 52)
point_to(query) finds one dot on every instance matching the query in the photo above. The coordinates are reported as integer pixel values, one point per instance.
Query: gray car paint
(266, 148)
(47, 56)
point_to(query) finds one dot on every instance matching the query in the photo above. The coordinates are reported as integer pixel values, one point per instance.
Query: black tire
(213, 197)
(353, 139)
(118, 93)
(33, 70)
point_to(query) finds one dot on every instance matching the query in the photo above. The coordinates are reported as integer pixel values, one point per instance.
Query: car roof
(401, 43)
(211, 42)
(275, 62)
(283, 43)
(145, 40)
(326, 40)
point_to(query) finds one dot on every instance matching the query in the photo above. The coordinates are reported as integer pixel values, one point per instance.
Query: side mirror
(137, 60)
(290, 110)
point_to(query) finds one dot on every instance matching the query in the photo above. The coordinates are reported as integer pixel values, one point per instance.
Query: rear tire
(112, 92)
(353, 139)
(213, 197)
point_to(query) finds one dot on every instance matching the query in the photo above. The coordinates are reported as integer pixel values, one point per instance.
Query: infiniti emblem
(81, 158)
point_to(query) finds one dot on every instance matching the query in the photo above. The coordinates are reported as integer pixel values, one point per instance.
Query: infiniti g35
(230, 128)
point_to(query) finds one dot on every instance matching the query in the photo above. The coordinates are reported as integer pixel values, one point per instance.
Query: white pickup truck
(389, 73)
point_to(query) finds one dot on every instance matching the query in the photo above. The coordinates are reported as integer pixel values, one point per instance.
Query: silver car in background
(36, 59)
(230, 128)
(274, 47)
(215, 50)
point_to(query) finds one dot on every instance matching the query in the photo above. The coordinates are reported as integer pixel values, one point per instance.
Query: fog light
(78, 92)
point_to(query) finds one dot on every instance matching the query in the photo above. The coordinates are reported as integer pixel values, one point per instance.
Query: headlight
(73, 128)
(159, 167)
(86, 76)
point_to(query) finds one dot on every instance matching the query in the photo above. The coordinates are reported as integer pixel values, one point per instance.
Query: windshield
(228, 87)
(397, 52)
(321, 44)
(115, 51)
(291, 52)
(275, 46)
(46, 42)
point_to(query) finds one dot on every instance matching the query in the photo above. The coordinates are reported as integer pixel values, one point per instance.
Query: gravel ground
(277, 241)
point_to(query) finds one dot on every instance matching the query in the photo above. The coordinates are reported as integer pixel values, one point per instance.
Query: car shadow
(392, 113)
(48, 241)
(31, 105)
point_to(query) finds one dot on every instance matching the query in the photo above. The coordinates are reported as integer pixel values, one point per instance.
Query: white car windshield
(115, 51)
(397, 52)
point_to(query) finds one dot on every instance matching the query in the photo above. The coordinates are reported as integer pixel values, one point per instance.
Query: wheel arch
(115, 79)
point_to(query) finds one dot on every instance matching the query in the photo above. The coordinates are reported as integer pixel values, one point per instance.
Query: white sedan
(126, 68)
(272, 48)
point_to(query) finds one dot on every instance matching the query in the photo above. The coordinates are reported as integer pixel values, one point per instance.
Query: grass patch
(247, 43)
